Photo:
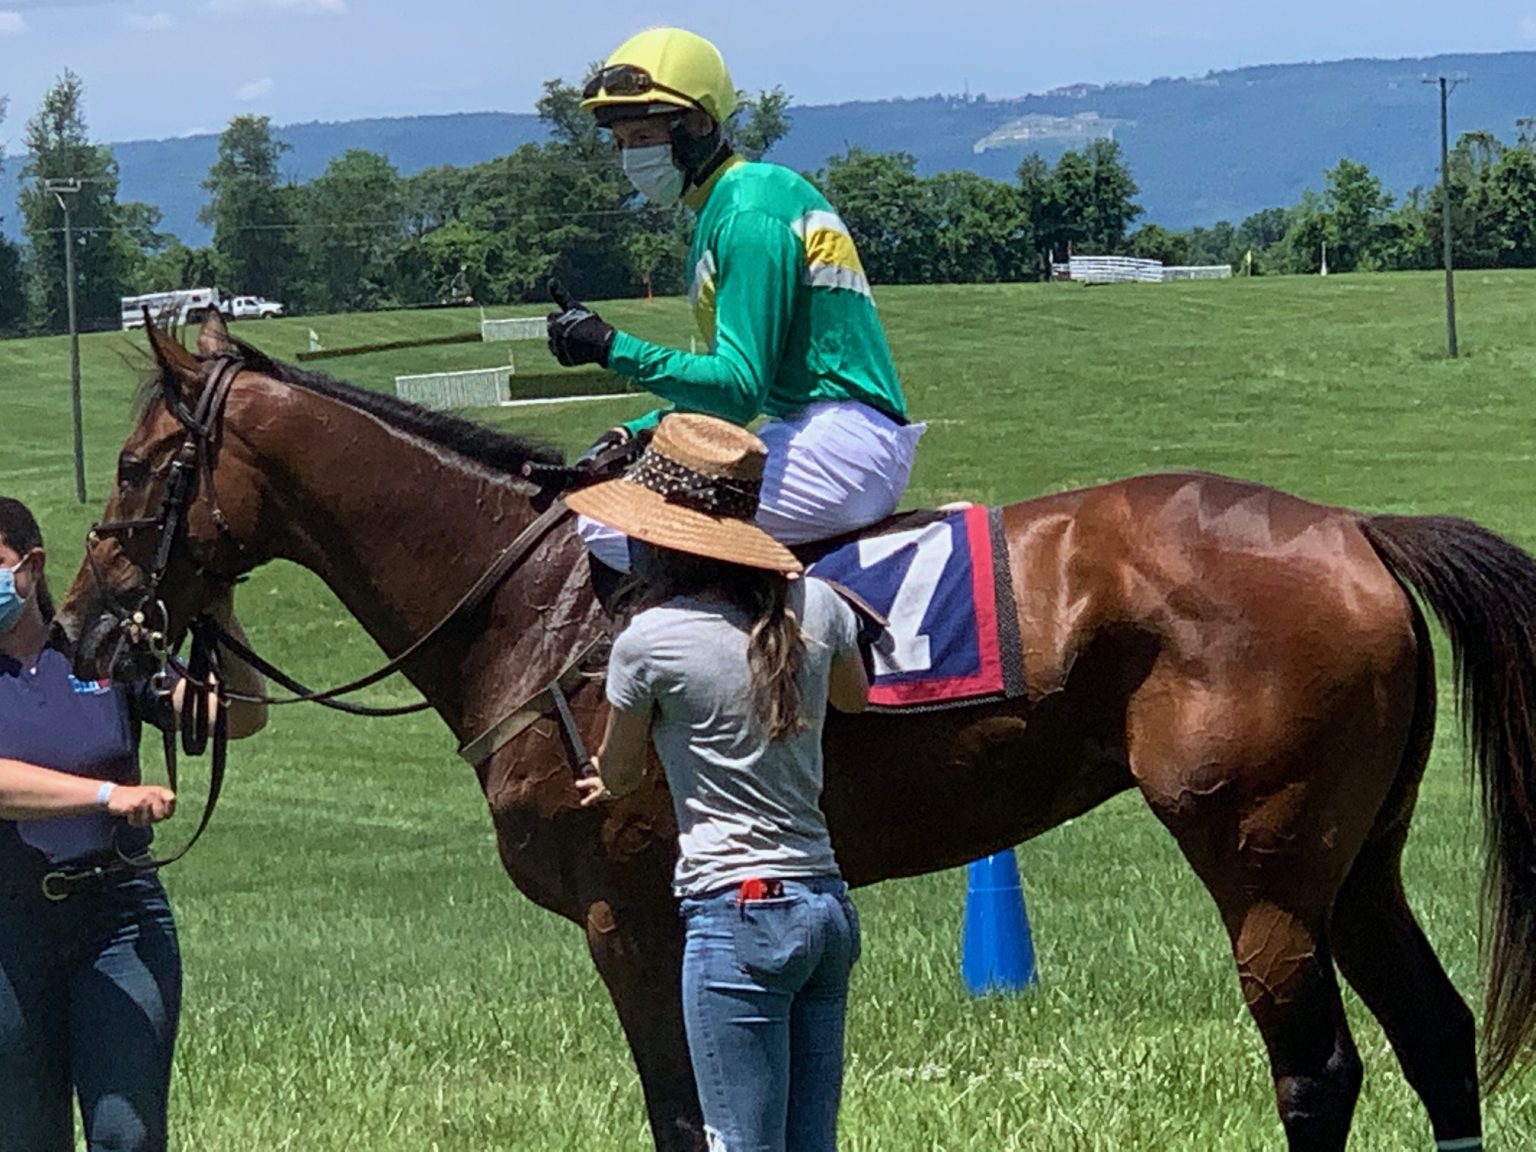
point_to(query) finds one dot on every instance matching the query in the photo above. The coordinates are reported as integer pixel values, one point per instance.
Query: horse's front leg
(610, 870)
(638, 949)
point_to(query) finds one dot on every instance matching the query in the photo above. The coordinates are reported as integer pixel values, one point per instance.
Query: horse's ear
(169, 353)
(213, 337)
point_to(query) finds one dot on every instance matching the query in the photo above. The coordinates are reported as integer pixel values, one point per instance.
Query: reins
(202, 720)
(506, 561)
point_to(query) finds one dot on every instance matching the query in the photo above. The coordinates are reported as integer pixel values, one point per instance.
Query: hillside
(1219, 146)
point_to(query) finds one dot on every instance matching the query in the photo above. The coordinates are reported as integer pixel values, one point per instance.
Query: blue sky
(169, 67)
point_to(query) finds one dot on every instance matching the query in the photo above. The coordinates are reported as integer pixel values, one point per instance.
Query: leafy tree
(252, 216)
(1264, 229)
(1154, 242)
(13, 299)
(353, 219)
(1475, 156)
(1087, 202)
(176, 266)
(139, 240)
(980, 230)
(560, 109)
(59, 147)
(1112, 195)
(433, 197)
(1409, 237)
(1070, 207)
(881, 199)
(140, 223)
(1355, 207)
(1511, 205)
(1474, 239)
(760, 122)
(1310, 229)
(652, 252)
(1218, 244)
(1038, 203)
(424, 271)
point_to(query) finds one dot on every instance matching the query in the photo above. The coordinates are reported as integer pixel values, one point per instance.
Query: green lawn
(361, 975)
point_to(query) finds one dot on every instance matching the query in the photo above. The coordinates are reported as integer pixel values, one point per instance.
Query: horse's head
(177, 531)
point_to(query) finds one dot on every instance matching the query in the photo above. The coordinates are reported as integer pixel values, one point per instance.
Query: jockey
(778, 292)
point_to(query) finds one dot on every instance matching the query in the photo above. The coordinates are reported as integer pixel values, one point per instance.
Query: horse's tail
(1483, 590)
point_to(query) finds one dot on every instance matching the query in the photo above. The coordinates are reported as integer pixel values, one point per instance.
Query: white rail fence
(1197, 272)
(517, 328)
(478, 388)
(1130, 270)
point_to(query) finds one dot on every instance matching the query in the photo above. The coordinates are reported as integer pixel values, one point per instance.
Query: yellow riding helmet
(659, 69)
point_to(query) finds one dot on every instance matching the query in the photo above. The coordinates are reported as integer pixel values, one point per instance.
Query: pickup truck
(252, 308)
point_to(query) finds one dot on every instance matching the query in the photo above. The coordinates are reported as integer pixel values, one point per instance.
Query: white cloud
(337, 7)
(149, 21)
(254, 89)
(11, 24)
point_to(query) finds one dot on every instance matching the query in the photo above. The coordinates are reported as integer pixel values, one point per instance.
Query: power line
(376, 225)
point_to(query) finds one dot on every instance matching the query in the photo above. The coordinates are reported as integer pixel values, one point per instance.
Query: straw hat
(695, 490)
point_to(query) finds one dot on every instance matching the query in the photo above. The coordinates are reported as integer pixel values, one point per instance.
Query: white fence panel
(1115, 270)
(1129, 270)
(518, 328)
(1198, 272)
(479, 388)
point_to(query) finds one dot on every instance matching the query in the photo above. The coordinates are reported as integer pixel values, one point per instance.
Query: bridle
(203, 716)
(205, 696)
(145, 626)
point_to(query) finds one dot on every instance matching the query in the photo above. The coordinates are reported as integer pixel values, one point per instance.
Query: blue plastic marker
(998, 952)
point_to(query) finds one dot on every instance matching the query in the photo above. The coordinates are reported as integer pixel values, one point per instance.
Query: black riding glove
(609, 439)
(577, 335)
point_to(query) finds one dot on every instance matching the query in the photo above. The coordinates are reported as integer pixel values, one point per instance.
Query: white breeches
(832, 467)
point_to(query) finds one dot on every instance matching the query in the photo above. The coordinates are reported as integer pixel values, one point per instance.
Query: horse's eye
(131, 471)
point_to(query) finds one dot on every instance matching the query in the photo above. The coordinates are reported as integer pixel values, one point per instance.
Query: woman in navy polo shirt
(90, 972)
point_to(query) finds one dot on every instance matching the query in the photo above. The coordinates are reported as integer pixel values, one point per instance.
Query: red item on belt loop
(757, 889)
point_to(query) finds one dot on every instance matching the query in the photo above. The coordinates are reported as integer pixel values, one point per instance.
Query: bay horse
(1255, 665)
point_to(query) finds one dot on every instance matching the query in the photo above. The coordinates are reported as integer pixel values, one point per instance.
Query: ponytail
(775, 642)
(775, 652)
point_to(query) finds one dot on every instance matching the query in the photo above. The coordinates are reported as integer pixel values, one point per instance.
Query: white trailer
(188, 306)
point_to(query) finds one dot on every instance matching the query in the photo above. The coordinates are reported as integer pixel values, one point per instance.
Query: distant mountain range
(1207, 148)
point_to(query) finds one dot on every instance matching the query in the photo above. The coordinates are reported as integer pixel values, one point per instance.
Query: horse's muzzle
(126, 649)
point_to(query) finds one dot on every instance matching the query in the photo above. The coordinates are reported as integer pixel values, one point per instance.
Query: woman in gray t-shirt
(729, 668)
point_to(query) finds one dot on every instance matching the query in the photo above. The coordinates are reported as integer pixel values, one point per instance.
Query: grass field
(362, 976)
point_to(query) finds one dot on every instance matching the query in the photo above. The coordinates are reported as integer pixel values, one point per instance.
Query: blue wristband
(104, 793)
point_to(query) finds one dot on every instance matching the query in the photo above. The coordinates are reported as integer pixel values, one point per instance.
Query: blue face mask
(12, 602)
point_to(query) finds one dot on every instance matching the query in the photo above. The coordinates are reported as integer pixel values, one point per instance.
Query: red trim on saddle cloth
(987, 680)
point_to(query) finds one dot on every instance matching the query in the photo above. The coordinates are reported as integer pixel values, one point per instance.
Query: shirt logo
(90, 687)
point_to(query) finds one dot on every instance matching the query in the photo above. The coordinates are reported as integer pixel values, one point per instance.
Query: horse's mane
(495, 450)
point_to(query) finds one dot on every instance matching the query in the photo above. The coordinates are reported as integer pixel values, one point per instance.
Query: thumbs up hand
(577, 335)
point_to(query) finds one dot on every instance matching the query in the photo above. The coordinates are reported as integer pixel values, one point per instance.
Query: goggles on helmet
(625, 80)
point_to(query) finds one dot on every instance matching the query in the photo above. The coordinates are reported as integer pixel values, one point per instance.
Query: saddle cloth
(942, 583)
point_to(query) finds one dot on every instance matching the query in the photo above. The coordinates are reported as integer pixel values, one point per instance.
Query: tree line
(359, 236)
(362, 236)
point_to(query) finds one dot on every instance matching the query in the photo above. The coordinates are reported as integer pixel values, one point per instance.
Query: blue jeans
(90, 995)
(765, 992)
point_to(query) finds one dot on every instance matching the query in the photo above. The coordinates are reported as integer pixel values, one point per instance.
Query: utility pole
(1447, 85)
(61, 189)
